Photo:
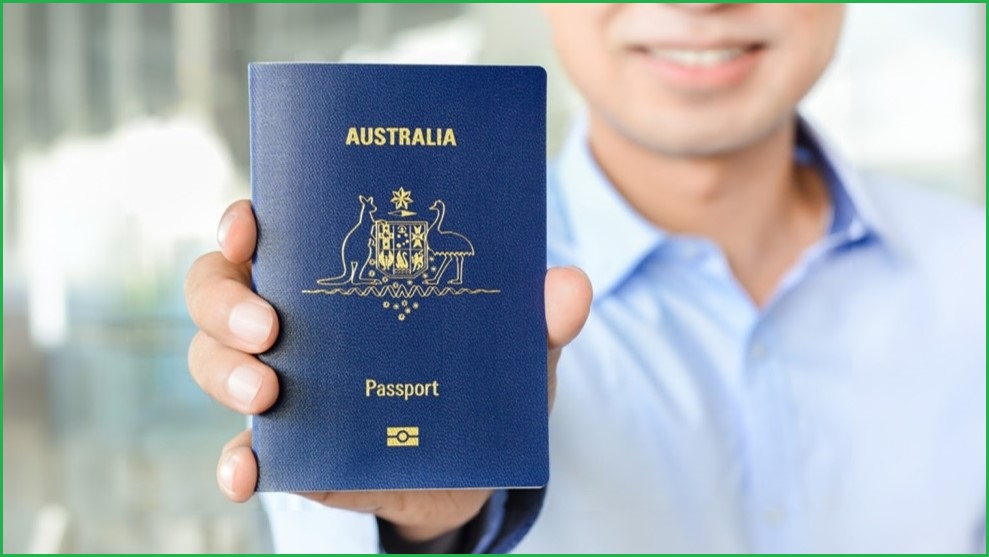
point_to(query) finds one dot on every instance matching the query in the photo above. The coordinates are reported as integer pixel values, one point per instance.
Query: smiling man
(781, 355)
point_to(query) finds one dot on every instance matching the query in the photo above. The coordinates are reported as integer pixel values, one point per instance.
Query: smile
(699, 68)
(697, 58)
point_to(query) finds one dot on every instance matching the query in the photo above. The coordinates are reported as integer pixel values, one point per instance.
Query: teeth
(697, 58)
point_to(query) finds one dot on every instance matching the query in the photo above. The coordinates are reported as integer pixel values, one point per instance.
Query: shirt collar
(855, 214)
(611, 239)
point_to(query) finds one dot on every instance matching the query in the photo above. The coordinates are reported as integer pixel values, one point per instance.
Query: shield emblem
(401, 248)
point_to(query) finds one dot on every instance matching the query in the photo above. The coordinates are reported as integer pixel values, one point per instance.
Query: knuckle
(198, 349)
(242, 439)
(197, 280)
(193, 277)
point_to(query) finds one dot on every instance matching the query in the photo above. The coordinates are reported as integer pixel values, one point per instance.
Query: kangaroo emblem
(402, 261)
(355, 252)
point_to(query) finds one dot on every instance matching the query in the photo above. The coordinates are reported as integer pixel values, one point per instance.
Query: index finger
(221, 303)
(237, 233)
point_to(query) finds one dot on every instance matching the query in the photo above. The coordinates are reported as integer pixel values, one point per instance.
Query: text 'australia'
(411, 137)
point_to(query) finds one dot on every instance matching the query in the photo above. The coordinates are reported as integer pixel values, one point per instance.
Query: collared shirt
(846, 414)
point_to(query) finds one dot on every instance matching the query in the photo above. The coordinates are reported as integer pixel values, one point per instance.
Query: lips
(703, 58)
(703, 68)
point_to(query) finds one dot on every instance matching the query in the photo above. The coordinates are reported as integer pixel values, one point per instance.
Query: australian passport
(401, 240)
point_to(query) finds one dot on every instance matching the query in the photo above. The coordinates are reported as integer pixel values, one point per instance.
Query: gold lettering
(380, 136)
(405, 391)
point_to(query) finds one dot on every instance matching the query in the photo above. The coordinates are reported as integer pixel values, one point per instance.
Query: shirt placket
(770, 497)
(772, 489)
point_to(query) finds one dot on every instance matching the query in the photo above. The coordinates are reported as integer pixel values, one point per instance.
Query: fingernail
(243, 384)
(251, 322)
(225, 476)
(225, 223)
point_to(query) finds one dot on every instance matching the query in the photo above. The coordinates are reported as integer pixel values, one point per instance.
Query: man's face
(692, 80)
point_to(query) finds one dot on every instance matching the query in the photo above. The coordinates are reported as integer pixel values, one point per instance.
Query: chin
(687, 142)
(703, 146)
(689, 136)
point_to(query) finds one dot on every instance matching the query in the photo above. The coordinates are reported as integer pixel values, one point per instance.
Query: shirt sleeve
(502, 523)
(299, 525)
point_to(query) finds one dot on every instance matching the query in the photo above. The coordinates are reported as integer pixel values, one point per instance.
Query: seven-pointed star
(401, 198)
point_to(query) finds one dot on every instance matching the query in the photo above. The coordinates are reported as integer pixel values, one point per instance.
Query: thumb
(568, 302)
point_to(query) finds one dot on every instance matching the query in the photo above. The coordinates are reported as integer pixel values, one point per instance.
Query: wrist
(443, 517)
(425, 533)
(393, 542)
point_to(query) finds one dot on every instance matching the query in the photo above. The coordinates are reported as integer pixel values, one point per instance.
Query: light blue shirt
(848, 414)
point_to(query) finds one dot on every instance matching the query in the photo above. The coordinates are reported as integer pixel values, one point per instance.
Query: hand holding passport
(218, 286)
(382, 237)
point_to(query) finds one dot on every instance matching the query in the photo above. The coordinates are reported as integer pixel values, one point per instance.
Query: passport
(401, 240)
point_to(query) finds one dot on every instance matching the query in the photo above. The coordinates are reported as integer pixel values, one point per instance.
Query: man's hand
(235, 324)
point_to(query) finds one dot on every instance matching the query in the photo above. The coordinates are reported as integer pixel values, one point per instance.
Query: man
(780, 355)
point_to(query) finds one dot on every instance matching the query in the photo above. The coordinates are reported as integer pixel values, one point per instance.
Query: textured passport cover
(401, 239)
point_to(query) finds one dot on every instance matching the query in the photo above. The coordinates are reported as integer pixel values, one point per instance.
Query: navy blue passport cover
(401, 239)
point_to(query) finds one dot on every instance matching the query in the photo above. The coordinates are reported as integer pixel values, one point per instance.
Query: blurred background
(125, 134)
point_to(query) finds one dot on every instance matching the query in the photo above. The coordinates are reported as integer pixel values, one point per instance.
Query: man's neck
(755, 203)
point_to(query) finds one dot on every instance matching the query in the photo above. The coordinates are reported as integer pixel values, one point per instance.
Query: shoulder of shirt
(930, 226)
(941, 239)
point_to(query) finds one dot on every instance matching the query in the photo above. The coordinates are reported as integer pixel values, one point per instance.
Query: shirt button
(690, 252)
(774, 516)
(757, 351)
